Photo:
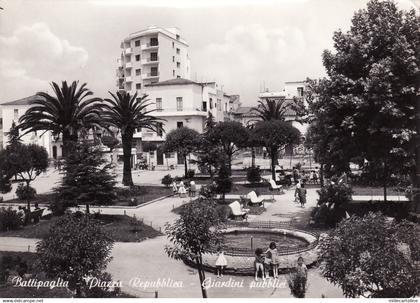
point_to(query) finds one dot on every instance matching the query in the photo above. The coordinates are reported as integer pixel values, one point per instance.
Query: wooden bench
(33, 216)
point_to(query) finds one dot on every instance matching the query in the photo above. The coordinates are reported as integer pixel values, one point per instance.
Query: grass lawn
(121, 229)
(142, 194)
(375, 191)
(223, 207)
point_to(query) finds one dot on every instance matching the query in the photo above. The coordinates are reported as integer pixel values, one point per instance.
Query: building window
(173, 58)
(177, 37)
(179, 105)
(204, 106)
(154, 41)
(226, 107)
(153, 56)
(16, 114)
(211, 103)
(300, 91)
(219, 104)
(137, 57)
(138, 85)
(173, 44)
(178, 64)
(178, 77)
(138, 72)
(158, 104)
(178, 51)
(173, 73)
(153, 71)
(137, 43)
(179, 124)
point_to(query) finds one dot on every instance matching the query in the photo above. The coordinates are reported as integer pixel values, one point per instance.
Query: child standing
(259, 263)
(221, 263)
(274, 259)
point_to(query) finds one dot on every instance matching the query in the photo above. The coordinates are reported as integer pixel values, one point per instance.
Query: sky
(244, 45)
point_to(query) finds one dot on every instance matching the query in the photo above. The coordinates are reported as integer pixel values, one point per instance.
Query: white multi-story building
(152, 55)
(12, 111)
(183, 103)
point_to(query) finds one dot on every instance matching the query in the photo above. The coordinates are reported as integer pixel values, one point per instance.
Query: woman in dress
(302, 195)
(221, 263)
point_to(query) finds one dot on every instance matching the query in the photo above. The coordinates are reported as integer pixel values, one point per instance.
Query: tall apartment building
(152, 55)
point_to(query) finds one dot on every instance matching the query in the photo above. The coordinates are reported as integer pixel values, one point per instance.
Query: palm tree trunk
(273, 155)
(253, 157)
(185, 165)
(126, 142)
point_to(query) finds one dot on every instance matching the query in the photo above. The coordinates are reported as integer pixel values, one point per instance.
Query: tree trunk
(230, 164)
(416, 185)
(127, 178)
(202, 276)
(385, 177)
(321, 174)
(185, 165)
(253, 157)
(87, 208)
(28, 201)
(273, 155)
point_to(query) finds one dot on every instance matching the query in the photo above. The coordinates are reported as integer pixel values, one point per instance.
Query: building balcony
(149, 46)
(119, 63)
(150, 75)
(128, 79)
(128, 65)
(150, 61)
(128, 51)
(165, 112)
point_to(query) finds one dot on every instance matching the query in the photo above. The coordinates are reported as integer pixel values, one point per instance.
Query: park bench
(238, 211)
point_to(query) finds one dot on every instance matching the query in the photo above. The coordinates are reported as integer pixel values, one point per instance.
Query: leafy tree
(332, 202)
(208, 156)
(368, 256)
(87, 180)
(182, 140)
(65, 113)
(230, 136)
(196, 232)
(27, 161)
(167, 180)
(371, 90)
(110, 141)
(210, 122)
(274, 135)
(5, 173)
(13, 135)
(76, 249)
(127, 113)
(223, 181)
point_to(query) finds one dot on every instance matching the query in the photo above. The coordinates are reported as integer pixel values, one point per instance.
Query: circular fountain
(240, 242)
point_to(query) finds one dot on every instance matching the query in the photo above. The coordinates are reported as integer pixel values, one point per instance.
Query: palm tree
(127, 113)
(272, 109)
(65, 113)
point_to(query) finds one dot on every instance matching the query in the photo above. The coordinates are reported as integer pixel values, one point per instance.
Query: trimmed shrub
(9, 219)
(190, 174)
(167, 180)
(332, 204)
(253, 174)
(24, 192)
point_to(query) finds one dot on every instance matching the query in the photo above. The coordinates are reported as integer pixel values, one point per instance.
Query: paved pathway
(147, 261)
